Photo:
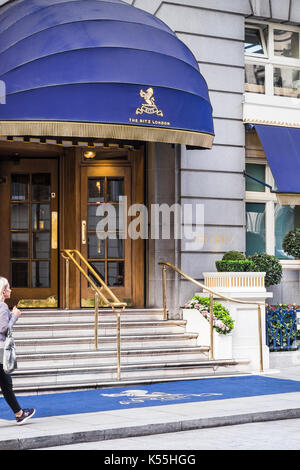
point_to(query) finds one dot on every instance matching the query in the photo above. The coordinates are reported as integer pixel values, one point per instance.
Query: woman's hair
(3, 285)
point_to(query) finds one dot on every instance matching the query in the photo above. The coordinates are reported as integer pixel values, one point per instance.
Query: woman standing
(7, 321)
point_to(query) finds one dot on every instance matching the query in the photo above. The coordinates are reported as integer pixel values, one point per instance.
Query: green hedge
(233, 261)
(235, 266)
(233, 256)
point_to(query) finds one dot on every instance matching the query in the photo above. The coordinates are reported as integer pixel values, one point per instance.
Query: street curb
(45, 441)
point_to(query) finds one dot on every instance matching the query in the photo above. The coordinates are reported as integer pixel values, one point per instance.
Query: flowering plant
(222, 321)
(283, 307)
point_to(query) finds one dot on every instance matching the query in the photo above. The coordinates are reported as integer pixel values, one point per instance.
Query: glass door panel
(30, 239)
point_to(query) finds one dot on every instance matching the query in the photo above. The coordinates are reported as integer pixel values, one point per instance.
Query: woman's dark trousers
(7, 390)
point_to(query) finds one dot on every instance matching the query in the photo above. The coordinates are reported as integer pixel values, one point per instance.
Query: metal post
(96, 318)
(296, 325)
(67, 283)
(118, 345)
(164, 277)
(260, 338)
(211, 322)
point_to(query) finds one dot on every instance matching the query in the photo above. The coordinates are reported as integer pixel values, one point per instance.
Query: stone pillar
(161, 190)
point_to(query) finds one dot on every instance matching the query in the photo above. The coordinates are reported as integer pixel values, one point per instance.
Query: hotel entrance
(52, 204)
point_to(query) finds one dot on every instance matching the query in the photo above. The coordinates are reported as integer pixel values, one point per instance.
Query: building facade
(249, 56)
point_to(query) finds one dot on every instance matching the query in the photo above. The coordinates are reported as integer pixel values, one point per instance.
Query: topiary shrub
(239, 265)
(291, 243)
(234, 261)
(268, 264)
(233, 255)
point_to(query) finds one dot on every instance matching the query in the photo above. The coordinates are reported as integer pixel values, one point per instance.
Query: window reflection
(41, 216)
(96, 190)
(115, 248)
(19, 216)
(19, 274)
(40, 274)
(41, 245)
(115, 189)
(41, 187)
(19, 187)
(255, 78)
(286, 43)
(116, 273)
(256, 228)
(99, 267)
(258, 172)
(253, 41)
(286, 218)
(96, 246)
(19, 245)
(287, 82)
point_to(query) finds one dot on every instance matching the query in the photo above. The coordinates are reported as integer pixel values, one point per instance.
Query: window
(286, 218)
(286, 43)
(254, 42)
(267, 222)
(255, 228)
(257, 172)
(287, 82)
(272, 65)
(255, 78)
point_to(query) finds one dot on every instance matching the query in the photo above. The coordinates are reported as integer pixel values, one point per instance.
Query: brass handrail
(115, 304)
(212, 293)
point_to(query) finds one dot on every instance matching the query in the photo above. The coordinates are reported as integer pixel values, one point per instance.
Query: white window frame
(270, 60)
(269, 199)
(281, 59)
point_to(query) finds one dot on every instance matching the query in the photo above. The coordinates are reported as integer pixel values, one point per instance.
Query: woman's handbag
(9, 354)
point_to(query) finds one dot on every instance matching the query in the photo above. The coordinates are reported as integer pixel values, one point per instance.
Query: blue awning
(282, 149)
(99, 68)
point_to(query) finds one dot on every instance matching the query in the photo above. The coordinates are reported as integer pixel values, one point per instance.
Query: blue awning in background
(282, 149)
(115, 68)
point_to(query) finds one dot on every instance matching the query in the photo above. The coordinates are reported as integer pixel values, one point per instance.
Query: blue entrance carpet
(166, 393)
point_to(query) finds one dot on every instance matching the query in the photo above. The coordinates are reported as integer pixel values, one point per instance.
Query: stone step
(133, 380)
(71, 375)
(58, 330)
(55, 350)
(60, 359)
(104, 342)
(67, 316)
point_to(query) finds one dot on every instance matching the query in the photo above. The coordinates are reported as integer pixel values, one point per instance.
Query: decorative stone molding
(271, 123)
(290, 264)
(235, 281)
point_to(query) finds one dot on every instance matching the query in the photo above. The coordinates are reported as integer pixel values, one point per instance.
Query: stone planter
(244, 286)
(196, 323)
